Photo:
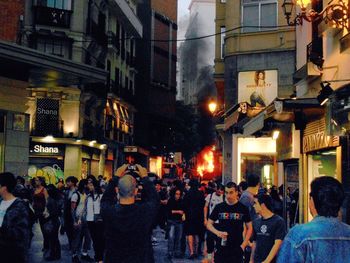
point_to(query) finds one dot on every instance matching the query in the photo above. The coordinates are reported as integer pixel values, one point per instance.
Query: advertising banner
(259, 88)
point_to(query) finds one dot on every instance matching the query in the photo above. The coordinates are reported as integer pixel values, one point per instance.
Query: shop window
(321, 163)
(259, 164)
(259, 13)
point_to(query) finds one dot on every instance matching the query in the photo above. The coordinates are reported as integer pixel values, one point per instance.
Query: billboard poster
(259, 88)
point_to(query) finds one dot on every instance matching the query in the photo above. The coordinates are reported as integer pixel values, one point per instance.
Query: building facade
(80, 84)
(157, 76)
(196, 55)
(255, 61)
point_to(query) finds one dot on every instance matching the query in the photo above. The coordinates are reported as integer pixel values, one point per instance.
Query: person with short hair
(14, 223)
(325, 239)
(268, 231)
(128, 225)
(211, 201)
(232, 216)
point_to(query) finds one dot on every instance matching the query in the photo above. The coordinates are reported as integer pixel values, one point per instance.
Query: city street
(35, 255)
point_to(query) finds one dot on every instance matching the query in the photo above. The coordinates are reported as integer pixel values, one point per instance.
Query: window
(222, 41)
(222, 1)
(259, 13)
(58, 4)
(51, 46)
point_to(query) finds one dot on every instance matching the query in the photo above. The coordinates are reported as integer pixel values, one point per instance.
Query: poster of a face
(258, 88)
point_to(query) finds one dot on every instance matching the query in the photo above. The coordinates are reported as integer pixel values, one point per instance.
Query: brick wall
(10, 10)
(167, 8)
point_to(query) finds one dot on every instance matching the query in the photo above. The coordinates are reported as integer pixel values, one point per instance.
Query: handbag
(48, 227)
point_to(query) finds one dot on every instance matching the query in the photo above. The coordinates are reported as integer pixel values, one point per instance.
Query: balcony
(314, 52)
(97, 32)
(51, 16)
(113, 42)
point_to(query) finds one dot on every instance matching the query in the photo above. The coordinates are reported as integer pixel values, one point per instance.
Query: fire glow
(206, 161)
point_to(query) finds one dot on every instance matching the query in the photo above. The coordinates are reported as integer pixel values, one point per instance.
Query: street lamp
(212, 106)
(336, 14)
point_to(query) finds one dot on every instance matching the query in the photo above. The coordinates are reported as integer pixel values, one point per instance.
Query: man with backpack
(71, 183)
(211, 201)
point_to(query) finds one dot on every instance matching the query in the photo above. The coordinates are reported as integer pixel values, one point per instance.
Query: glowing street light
(212, 106)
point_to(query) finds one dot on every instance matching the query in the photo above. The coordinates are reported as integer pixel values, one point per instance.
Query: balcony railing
(48, 16)
(97, 32)
(113, 42)
(314, 52)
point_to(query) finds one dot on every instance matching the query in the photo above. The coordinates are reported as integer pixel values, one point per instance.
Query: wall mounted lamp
(336, 13)
(325, 92)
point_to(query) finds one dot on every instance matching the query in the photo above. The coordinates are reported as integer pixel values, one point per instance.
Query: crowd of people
(214, 222)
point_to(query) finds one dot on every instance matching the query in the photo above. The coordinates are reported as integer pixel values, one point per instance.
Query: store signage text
(42, 149)
(47, 112)
(317, 141)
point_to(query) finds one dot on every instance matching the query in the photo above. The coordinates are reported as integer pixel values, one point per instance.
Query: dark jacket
(128, 228)
(14, 234)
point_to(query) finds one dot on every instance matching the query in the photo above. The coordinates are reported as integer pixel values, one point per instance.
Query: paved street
(36, 253)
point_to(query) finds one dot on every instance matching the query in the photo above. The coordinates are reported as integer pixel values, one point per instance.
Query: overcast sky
(182, 17)
(183, 7)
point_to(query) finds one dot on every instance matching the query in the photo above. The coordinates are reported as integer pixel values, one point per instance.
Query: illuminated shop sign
(46, 149)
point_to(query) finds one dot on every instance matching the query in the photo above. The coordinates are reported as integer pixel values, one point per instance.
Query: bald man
(128, 225)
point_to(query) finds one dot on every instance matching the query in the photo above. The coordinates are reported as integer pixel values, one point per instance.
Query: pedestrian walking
(232, 216)
(39, 204)
(81, 242)
(194, 213)
(51, 224)
(268, 231)
(94, 219)
(211, 201)
(14, 223)
(325, 239)
(247, 198)
(175, 214)
(71, 183)
(128, 225)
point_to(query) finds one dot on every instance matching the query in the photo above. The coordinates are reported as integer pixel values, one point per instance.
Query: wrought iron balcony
(314, 52)
(48, 16)
(113, 42)
(97, 32)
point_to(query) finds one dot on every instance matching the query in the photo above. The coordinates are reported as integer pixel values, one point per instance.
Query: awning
(280, 110)
(42, 69)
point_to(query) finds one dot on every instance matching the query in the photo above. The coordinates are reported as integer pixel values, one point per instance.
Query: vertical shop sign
(47, 117)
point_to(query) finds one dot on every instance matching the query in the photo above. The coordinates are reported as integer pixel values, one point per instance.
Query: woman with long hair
(175, 211)
(39, 205)
(52, 223)
(93, 217)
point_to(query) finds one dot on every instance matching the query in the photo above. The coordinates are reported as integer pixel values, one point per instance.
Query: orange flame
(207, 164)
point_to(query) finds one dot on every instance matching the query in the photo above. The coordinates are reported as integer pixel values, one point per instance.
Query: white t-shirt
(93, 207)
(215, 199)
(4, 205)
(80, 207)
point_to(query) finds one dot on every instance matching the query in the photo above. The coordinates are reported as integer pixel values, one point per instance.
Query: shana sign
(45, 149)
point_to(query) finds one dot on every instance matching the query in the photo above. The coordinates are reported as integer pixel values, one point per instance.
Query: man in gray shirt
(247, 199)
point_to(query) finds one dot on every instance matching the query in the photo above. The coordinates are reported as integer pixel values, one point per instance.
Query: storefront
(256, 156)
(56, 158)
(46, 160)
(321, 156)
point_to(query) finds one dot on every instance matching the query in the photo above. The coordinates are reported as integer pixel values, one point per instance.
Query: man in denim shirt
(324, 239)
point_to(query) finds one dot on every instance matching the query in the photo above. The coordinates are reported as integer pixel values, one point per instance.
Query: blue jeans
(174, 239)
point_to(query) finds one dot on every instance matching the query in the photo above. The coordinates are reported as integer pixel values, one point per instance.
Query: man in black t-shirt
(268, 231)
(231, 216)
